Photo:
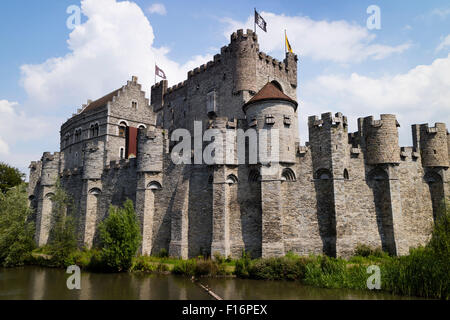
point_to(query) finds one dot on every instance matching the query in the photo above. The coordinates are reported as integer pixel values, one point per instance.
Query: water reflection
(35, 283)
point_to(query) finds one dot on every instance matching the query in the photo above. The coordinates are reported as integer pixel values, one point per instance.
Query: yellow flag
(288, 45)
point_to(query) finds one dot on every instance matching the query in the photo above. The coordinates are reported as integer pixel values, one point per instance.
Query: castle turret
(270, 109)
(291, 66)
(432, 143)
(93, 160)
(273, 113)
(244, 47)
(328, 138)
(50, 168)
(157, 95)
(49, 175)
(151, 143)
(150, 150)
(380, 138)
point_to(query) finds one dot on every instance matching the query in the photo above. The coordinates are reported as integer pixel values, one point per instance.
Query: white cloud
(336, 41)
(441, 12)
(419, 96)
(158, 8)
(445, 42)
(112, 45)
(18, 128)
(4, 148)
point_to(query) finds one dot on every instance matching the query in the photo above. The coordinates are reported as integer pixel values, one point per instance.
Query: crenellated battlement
(432, 143)
(328, 119)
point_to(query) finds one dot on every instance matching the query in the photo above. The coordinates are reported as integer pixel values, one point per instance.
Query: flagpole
(255, 20)
(285, 40)
(155, 72)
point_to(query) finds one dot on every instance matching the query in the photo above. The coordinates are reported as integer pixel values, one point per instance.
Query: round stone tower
(93, 160)
(50, 168)
(433, 144)
(150, 150)
(271, 109)
(244, 48)
(381, 140)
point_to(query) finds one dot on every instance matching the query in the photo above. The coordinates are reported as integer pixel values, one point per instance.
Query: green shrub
(185, 267)
(62, 237)
(365, 251)
(120, 238)
(16, 231)
(142, 264)
(163, 253)
(284, 268)
(425, 272)
(243, 265)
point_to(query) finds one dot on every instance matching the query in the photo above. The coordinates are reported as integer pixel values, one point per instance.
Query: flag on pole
(160, 73)
(288, 45)
(260, 21)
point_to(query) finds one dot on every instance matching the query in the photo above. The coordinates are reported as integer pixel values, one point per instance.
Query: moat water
(36, 283)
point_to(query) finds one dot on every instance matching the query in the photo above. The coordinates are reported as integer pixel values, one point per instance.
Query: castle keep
(326, 196)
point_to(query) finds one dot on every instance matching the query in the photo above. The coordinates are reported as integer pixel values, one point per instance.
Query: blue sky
(48, 71)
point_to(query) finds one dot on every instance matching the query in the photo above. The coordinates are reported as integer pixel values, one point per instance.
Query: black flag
(160, 73)
(260, 21)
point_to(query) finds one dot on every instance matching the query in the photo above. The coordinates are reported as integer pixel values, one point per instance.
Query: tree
(120, 237)
(62, 239)
(9, 177)
(16, 231)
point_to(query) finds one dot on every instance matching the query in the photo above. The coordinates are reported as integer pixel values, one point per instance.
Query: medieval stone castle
(327, 196)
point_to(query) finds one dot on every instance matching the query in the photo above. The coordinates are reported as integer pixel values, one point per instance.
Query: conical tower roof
(270, 92)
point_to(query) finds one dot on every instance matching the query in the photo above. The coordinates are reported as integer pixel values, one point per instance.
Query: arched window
(346, 176)
(122, 129)
(122, 153)
(231, 179)
(154, 185)
(134, 105)
(254, 176)
(323, 174)
(377, 174)
(432, 177)
(49, 196)
(288, 175)
(95, 191)
(96, 130)
(92, 131)
(278, 85)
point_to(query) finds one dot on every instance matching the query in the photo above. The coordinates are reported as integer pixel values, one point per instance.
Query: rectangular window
(270, 119)
(287, 120)
(211, 102)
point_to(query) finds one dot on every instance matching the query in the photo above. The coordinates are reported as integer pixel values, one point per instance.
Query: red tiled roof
(270, 92)
(102, 101)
